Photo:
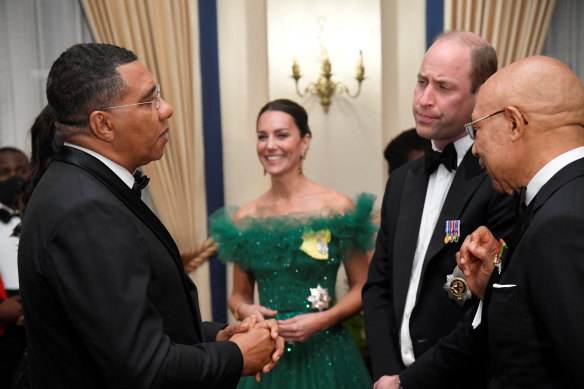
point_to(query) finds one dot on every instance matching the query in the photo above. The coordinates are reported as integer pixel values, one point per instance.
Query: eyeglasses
(155, 100)
(472, 130)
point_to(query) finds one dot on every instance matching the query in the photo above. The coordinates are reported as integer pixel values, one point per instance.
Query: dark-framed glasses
(472, 130)
(155, 100)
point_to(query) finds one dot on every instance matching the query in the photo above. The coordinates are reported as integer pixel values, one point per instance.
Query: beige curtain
(165, 36)
(516, 28)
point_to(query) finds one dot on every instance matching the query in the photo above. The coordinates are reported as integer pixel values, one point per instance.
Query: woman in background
(291, 241)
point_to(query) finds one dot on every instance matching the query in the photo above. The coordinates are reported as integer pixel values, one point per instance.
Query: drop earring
(302, 156)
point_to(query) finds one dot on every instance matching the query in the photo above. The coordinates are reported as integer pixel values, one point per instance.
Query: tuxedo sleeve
(211, 329)
(380, 320)
(98, 264)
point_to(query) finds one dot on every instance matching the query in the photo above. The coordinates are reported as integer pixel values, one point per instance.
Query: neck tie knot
(433, 159)
(140, 183)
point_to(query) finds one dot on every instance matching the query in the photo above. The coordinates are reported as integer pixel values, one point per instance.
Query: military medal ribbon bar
(452, 231)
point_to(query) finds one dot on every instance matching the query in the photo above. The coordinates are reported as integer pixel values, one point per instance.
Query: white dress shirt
(533, 187)
(438, 186)
(118, 170)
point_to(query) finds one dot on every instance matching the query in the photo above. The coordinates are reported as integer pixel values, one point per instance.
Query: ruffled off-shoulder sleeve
(354, 231)
(281, 237)
(229, 238)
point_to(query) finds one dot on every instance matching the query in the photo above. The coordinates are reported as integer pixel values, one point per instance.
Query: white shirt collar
(118, 170)
(461, 145)
(549, 170)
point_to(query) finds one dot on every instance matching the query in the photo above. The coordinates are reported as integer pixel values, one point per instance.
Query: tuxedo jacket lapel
(467, 180)
(101, 172)
(406, 231)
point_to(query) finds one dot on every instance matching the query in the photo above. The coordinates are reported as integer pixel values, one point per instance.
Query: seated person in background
(14, 168)
(291, 241)
(405, 147)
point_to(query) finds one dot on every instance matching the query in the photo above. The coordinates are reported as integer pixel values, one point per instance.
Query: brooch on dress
(315, 244)
(456, 287)
(319, 298)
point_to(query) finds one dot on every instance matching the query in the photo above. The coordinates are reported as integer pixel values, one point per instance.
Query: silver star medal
(319, 298)
(456, 287)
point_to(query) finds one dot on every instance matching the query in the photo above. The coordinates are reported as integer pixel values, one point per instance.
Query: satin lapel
(467, 180)
(101, 172)
(406, 231)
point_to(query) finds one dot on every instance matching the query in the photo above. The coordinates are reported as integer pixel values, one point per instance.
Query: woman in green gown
(291, 241)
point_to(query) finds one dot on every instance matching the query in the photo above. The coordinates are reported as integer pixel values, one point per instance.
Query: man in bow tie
(106, 300)
(409, 300)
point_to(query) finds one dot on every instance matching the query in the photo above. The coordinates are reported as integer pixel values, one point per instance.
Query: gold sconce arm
(324, 87)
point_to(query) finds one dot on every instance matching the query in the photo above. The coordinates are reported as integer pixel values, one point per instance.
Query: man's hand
(272, 326)
(239, 327)
(475, 259)
(387, 382)
(11, 311)
(257, 348)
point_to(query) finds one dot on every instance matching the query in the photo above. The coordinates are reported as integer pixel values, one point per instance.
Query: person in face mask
(14, 168)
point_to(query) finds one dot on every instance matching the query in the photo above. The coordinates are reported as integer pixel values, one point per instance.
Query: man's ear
(101, 126)
(518, 122)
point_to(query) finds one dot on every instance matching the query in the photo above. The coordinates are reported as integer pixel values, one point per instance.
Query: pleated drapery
(516, 28)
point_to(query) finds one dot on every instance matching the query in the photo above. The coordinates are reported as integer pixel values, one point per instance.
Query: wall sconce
(325, 87)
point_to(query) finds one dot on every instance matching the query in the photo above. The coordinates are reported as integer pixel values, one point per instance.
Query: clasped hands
(259, 342)
(296, 329)
(475, 259)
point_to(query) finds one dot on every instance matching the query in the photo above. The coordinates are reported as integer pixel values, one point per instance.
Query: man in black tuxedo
(106, 301)
(409, 300)
(529, 128)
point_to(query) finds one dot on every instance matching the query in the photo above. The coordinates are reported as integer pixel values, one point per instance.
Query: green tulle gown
(271, 249)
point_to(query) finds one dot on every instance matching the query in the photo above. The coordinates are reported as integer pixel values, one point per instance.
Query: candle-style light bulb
(360, 69)
(295, 68)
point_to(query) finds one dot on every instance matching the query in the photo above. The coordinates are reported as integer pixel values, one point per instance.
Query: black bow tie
(6, 216)
(140, 183)
(433, 159)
